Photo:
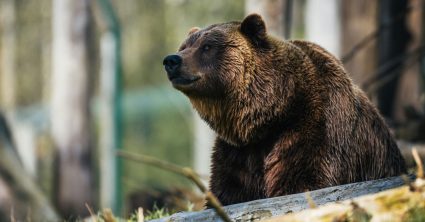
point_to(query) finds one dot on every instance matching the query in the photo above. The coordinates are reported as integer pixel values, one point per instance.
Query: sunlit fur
(287, 116)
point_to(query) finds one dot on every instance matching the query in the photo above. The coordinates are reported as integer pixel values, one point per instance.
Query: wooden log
(405, 203)
(266, 208)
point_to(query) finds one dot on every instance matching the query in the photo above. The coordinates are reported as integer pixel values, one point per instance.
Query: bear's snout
(172, 63)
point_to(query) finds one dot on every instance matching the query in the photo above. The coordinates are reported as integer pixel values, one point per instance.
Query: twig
(368, 38)
(215, 203)
(92, 215)
(140, 216)
(310, 200)
(377, 79)
(184, 171)
(108, 216)
(12, 215)
(419, 163)
(10, 163)
(29, 214)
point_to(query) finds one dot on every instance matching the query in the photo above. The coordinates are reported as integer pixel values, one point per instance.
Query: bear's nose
(172, 62)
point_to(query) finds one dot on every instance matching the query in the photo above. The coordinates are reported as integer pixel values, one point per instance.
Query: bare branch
(418, 163)
(92, 215)
(184, 171)
(373, 35)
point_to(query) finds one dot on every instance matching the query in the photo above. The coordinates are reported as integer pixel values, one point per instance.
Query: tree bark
(21, 184)
(410, 86)
(392, 42)
(323, 24)
(8, 40)
(272, 207)
(272, 13)
(70, 117)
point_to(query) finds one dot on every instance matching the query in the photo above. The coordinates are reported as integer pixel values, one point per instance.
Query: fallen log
(405, 203)
(266, 208)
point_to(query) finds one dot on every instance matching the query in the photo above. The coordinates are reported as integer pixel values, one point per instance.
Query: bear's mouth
(183, 80)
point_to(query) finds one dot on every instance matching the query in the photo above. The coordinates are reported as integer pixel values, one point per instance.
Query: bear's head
(232, 74)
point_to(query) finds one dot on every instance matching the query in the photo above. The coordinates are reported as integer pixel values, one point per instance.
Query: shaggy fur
(287, 116)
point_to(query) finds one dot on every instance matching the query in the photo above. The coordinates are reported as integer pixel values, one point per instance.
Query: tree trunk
(409, 86)
(8, 77)
(272, 13)
(70, 117)
(323, 24)
(392, 43)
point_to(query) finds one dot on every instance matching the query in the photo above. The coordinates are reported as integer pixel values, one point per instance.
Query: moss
(415, 214)
(395, 201)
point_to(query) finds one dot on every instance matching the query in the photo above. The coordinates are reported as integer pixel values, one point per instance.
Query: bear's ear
(193, 30)
(254, 28)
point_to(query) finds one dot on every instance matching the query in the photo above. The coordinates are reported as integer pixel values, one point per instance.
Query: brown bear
(288, 118)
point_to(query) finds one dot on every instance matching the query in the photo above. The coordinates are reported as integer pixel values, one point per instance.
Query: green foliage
(415, 214)
(157, 123)
(157, 213)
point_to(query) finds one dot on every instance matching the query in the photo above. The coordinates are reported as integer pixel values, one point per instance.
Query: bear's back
(355, 131)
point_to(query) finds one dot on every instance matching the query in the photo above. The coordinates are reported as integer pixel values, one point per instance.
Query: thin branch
(377, 79)
(10, 164)
(140, 215)
(370, 37)
(310, 200)
(184, 171)
(418, 163)
(108, 216)
(214, 202)
(12, 215)
(92, 215)
(379, 83)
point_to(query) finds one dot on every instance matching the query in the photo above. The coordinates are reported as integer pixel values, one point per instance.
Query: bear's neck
(246, 123)
(246, 117)
(232, 124)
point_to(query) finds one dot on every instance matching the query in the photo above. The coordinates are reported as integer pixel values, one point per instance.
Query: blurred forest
(63, 99)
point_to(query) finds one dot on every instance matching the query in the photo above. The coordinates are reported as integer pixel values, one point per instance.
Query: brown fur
(287, 116)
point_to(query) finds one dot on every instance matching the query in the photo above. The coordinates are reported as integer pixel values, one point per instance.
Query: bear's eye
(183, 47)
(206, 47)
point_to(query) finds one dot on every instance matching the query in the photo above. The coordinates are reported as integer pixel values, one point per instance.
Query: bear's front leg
(236, 174)
(297, 169)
